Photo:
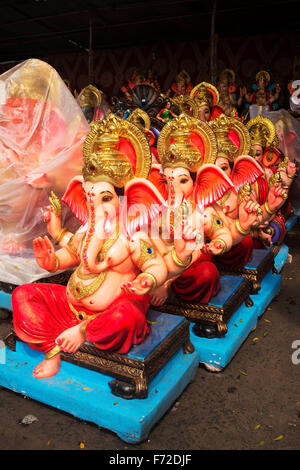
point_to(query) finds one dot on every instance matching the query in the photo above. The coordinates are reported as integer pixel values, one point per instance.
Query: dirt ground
(254, 403)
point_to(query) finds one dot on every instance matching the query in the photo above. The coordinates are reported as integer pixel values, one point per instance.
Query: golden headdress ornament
(262, 131)
(90, 96)
(183, 77)
(205, 94)
(232, 136)
(186, 105)
(186, 142)
(262, 74)
(140, 118)
(227, 75)
(116, 151)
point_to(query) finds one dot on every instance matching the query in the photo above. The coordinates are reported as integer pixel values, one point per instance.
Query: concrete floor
(254, 403)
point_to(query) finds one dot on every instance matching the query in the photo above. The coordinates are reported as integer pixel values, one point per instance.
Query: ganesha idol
(42, 131)
(182, 85)
(233, 141)
(190, 182)
(264, 96)
(227, 92)
(206, 97)
(117, 265)
(271, 189)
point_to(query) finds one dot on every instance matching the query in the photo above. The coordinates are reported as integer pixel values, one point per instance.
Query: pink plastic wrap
(42, 130)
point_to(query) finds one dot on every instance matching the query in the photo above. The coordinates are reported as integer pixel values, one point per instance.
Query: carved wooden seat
(254, 271)
(135, 369)
(210, 319)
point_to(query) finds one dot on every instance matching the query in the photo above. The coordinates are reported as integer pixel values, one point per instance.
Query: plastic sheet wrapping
(42, 130)
(288, 133)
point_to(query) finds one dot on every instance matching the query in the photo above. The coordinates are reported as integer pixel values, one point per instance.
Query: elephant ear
(74, 197)
(245, 170)
(142, 204)
(211, 185)
(157, 179)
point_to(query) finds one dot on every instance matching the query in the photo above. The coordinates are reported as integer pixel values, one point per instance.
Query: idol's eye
(184, 181)
(107, 198)
(224, 168)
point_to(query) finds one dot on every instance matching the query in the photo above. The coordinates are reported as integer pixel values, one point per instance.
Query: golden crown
(205, 94)
(226, 148)
(140, 118)
(175, 148)
(227, 75)
(103, 160)
(264, 75)
(90, 96)
(262, 131)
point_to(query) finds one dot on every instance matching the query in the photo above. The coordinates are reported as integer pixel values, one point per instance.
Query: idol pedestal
(153, 376)
(210, 319)
(291, 222)
(216, 353)
(219, 328)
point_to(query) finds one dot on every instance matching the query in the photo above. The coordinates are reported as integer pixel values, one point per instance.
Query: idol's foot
(122, 389)
(47, 368)
(71, 339)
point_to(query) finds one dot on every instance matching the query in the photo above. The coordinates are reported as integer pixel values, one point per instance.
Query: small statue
(140, 77)
(165, 114)
(227, 92)
(182, 85)
(206, 97)
(264, 95)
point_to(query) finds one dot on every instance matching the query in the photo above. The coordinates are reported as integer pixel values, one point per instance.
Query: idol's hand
(159, 295)
(185, 242)
(215, 247)
(53, 222)
(248, 213)
(44, 253)
(276, 196)
(265, 238)
(291, 169)
(141, 285)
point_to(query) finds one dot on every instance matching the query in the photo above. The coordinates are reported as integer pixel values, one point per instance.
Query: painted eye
(184, 181)
(106, 198)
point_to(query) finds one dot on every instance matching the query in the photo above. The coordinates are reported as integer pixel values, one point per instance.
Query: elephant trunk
(94, 241)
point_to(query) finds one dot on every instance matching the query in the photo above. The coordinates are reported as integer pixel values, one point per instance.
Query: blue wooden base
(86, 394)
(5, 300)
(291, 222)
(281, 257)
(216, 353)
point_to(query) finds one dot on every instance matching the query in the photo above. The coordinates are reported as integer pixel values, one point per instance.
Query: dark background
(165, 36)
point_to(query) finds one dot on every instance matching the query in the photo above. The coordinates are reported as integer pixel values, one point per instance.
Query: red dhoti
(41, 313)
(199, 282)
(238, 255)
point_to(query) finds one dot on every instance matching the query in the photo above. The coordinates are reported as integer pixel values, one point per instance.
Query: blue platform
(86, 393)
(229, 286)
(291, 222)
(281, 257)
(216, 353)
(5, 300)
